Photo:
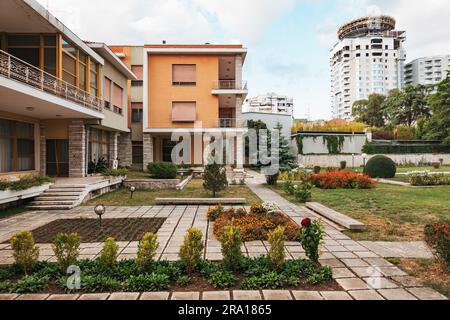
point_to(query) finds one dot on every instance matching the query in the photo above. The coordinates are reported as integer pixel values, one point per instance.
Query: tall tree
(438, 126)
(370, 111)
(257, 125)
(288, 160)
(408, 106)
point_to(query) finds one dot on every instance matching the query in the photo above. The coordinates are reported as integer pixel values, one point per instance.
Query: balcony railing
(15, 69)
(229, 85)
(230, 123)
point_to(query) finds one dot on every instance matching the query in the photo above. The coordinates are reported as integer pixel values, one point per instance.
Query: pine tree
(215, 178)
(288, 160)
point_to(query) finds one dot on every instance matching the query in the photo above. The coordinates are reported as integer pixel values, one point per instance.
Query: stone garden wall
(357, 160)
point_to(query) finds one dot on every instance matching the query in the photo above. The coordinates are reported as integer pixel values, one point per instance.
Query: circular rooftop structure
(363, 26)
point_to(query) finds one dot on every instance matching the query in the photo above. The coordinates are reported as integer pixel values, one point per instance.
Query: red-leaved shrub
(342, 179)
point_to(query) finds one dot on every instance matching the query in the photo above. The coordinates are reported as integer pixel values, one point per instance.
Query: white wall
(357, 160)
(317, 145)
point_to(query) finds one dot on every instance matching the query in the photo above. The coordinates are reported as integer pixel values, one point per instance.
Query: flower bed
(255, 225)
(341, 179)
(428, 179)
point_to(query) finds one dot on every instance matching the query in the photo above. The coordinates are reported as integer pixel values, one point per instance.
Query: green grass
(13, 211)
(194, 189)
(391, 213)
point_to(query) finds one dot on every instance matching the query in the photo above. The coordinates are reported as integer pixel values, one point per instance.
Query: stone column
(238, 71)
(148, 150)
(239, 151)
(125, 149)
(238, 115)
(113, 152)
(77, 149)
(43, 152)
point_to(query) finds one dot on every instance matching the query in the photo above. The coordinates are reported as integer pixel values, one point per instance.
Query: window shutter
(184, 73)
(184, 112)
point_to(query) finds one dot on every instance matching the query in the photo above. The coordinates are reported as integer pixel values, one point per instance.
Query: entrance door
(167, 147)
(58, 158)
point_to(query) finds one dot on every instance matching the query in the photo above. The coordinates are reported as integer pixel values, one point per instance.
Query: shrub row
(428, 179)
(437, 235)
(405, 149)
(26, 182)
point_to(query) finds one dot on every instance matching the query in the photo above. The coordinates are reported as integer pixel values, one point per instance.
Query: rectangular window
(138, 152)
(184, 74)
(118, 98)
(94, 80)
(107, 93)
(98, 145)
(16, 146)
(184, 112)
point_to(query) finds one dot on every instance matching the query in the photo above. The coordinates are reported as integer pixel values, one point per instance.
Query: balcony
(229, 87)
(13, 68)
(229, 123)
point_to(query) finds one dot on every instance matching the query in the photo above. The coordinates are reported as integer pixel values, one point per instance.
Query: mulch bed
(126, 229)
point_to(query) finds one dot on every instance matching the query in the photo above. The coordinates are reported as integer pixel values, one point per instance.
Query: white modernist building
(427, 70)
(271, 103)
(369, 58)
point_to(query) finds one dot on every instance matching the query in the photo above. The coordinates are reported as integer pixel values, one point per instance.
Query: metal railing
(229, 85)
(230, 123)
(16, 69)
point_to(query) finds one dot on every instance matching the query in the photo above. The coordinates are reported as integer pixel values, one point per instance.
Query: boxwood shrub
(162, 170)
(380, 167)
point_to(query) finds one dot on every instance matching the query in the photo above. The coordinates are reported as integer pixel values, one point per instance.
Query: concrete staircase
(59, 197)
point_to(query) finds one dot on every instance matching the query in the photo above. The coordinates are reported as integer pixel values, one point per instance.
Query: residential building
(427, 70)
(369, 58)
(271, 103)
(194, 89)
(63, 101)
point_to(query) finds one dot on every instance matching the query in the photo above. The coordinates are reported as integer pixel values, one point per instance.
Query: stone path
(361, 272)
(411, 249)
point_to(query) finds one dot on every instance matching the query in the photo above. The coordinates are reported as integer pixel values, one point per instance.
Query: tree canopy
(370, 111)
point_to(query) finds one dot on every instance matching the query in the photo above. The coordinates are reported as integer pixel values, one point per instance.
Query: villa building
(64, 102)
(195, 90)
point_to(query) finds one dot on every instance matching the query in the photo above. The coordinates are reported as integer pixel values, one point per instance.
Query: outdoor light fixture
(364, 156)
(132, 189)
(100, 210)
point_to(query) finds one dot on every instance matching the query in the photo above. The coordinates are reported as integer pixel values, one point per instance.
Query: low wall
(11, 195)
(152, 184)
(357, 160)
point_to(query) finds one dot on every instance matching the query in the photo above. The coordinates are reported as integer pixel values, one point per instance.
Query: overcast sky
(288, 40)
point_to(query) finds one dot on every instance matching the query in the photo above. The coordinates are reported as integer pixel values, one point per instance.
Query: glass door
(58, 158)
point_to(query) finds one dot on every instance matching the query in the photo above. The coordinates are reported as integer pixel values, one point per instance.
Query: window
(16, 146)
(98, 145)
(137, 152)
(107, 93)
(184, 112)
(137, 83)
(118, 98)
(184, 74)
(167, 147)
(136, 112)
(94, 79)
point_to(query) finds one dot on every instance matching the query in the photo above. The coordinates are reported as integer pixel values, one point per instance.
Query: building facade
(63, 101)
(427, 70)
(271, 103)
(369, 58)
(191, 90)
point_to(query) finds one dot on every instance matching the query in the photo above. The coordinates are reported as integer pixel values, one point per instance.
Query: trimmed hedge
(437, 235)
(162, 170)
(405, 149)
(380, 167)
(26, 182)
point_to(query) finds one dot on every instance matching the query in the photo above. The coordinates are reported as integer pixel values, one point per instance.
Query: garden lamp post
(100, 210)
(364, 156)
(132, 190)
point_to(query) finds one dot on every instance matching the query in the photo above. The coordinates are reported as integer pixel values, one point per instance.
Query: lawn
(391, 213)
(410, 169)
(13, 211)
(429, 271)
(194, 189)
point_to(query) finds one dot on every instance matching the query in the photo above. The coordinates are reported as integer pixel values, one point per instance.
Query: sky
(288, 41)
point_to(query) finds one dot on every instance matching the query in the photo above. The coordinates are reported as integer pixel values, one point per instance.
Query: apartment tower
(369, 58)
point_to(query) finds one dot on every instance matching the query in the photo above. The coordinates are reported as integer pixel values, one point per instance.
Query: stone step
(78, 186)
(199, 201)
(52, 202)
(45, 197)
(66, 190)
(336, 217)
(51, 207)
(60, 194)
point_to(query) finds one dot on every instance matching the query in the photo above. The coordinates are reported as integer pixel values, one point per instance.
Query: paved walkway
(361, 272)
(409, 249)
